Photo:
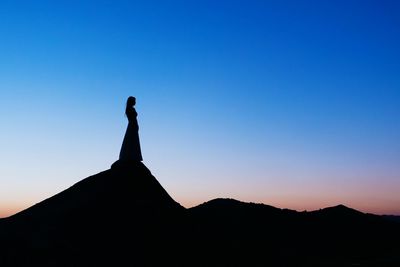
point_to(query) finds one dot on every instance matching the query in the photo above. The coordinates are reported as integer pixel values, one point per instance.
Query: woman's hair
(130, 103)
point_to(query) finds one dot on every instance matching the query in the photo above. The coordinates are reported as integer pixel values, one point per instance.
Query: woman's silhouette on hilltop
(130, 150)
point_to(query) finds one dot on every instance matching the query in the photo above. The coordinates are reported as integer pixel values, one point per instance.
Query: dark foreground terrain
(123, 217)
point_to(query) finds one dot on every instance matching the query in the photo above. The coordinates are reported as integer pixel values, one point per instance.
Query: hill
(124, 217)
(334, 236)
(106, 218)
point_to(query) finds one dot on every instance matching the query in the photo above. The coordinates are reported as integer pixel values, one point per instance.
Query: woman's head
(131, 101)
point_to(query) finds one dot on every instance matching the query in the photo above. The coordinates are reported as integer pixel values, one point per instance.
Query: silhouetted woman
(130, 150)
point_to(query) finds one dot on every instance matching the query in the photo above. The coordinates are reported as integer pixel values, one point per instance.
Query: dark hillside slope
(116, 215)
(124, 217)
(335, 236)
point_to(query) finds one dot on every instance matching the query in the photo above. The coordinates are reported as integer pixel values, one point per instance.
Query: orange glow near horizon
(8, 210)
(298, 204)
(364, 199)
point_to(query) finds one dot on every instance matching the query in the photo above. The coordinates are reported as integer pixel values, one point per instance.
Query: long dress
(130, 150)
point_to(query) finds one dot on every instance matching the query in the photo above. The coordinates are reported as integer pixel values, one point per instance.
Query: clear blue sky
(290, 103)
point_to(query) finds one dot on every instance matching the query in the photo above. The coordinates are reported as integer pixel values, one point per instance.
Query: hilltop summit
(108, 217)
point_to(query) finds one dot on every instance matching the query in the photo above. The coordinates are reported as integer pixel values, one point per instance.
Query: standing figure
(130, 150)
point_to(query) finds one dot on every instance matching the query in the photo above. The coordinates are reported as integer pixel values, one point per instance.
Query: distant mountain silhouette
(392, 218)
(124, 217)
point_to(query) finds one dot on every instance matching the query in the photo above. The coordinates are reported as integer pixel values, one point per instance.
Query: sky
(294, 104)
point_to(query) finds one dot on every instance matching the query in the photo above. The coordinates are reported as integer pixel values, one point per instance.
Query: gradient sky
(295, 104)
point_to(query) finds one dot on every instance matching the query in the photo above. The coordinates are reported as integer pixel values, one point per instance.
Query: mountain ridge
(123, 216)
